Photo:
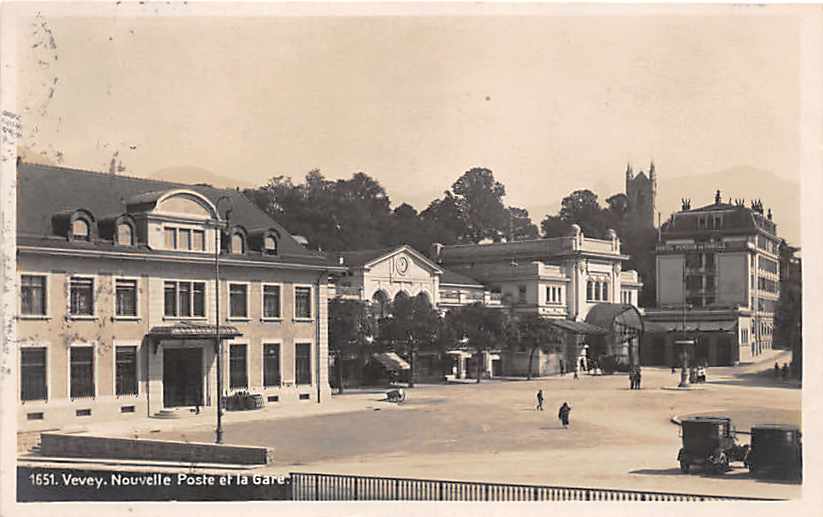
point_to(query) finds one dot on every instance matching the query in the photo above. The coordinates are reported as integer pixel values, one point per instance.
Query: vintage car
(777, 449)
(710, 442)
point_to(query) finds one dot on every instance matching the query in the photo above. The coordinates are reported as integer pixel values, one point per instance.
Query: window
(125, 298)
(33, 384)
(198, 240)
(80, 229)
(553, 294)
(302, 363)
(694, 260)
(125, 370)
(237, 244)
(81, 296)
(170, 236)
(694, 282)
(590, 290)
(238, 377)
(302, 303)
(521, 294)
(605, 293)
(184, 299)
(184, 239)
(271, 364)
(82, 372)
(597, 291)
(271, 302)
(33, 295)
(125, 236)
(709, 260)
(238, 301)
(269, 245)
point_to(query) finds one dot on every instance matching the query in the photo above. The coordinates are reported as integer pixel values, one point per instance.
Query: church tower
(641, 191)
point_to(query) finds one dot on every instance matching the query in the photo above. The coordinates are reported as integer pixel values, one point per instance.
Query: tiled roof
(361, 257)
(43, 191)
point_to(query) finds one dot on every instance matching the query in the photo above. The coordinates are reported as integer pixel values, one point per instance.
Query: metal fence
(338, 487)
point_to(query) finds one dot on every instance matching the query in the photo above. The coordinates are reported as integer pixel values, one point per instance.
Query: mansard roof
(44, 190)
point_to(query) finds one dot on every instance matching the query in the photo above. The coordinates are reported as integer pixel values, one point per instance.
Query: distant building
(789, 322)
(117, 317)
(641, 193)
(718, 281)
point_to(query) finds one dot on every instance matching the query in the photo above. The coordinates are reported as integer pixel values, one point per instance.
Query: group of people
(784, 372)
(562, 414)
(634, 378)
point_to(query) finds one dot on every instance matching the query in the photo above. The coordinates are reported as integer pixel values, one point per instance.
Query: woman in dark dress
(563, 414)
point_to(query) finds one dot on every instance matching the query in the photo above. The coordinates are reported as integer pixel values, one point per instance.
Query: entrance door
(182, 377)
(724, 351)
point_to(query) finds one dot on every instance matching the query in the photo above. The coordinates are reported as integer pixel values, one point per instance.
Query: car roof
(776, 427)
(714, 419)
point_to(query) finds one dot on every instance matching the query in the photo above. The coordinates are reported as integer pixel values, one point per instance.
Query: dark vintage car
(776, 449)
(710, 442)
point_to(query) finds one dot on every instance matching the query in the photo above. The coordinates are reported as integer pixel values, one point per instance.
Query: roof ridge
(126, 176)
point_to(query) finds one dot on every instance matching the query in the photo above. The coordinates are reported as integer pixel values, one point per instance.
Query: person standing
(637, 378)
(776, 370)
(631, 379)
(785, 371)
(540, 400)
(562, 368)
(563, 414)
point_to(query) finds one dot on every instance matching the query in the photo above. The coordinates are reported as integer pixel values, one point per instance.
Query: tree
(480, 199)
(553, 226)
(351, 329)
(521, 226)
(582, 208)
(482, 327)
(533, 332)
(411, 325)
(445, 220)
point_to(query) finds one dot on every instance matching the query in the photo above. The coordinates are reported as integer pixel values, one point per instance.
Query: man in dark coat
(540, 400)
(637, 378)
(563, 414)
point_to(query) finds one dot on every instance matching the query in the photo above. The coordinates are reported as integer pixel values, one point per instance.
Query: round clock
(402, 264)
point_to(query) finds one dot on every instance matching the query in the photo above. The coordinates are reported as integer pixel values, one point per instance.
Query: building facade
(641, 193)
(718, 282)
(118, 306)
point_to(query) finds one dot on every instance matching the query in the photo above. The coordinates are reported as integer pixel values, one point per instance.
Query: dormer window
(125, 235)
(80, 229)
(238, 243)
(270, 245)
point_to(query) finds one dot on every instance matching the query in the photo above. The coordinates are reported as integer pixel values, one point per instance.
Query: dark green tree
(483, 328)
(351, 330)
(412, 324)
(520, 225)
(532, 333)
(480, 198)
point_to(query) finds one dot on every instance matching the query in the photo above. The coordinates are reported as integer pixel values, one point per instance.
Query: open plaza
(492, 431)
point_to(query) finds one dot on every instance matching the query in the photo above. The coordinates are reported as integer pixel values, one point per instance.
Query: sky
(550, 103)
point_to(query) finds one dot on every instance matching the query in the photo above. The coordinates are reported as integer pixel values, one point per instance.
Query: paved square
(618, 438)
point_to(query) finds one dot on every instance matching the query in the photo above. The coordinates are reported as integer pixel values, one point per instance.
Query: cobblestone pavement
(618, 438)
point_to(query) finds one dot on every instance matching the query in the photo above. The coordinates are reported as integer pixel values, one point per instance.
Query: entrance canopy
(191, 330)
(578, 327)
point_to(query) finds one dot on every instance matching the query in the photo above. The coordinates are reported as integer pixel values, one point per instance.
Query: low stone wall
(98, 447)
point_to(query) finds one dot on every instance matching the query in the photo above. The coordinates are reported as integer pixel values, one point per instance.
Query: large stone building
(718, 278)
(117, 297)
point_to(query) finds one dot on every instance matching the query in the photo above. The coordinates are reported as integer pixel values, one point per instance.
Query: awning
(578, 327)
(695, 326)
(192, 330)
(392, 361)
(460, 353)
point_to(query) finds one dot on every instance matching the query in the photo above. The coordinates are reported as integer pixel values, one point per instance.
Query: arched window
(269, 245)
(605, 297)
(125, 236)
(379, 302)
(590, 290)
(80, 229)
(238, 244)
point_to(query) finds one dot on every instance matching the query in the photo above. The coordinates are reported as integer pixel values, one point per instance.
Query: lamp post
(219, 342)
(684, 344)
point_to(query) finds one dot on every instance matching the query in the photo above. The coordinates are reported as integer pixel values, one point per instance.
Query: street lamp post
(219, 342)
(684, 344)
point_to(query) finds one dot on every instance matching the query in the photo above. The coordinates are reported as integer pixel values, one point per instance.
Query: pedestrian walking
(776, 370)
(563, 414)
(637, 378)
(785, 371)
(540, 400)
(562, 368)
(632, 379)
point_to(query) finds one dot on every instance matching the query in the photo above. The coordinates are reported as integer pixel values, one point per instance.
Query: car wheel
(684, 467)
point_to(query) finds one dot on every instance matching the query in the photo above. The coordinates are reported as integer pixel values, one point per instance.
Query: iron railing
(339, 487)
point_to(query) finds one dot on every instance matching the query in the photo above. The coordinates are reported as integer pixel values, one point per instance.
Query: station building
(118, 306)
(718, 282)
